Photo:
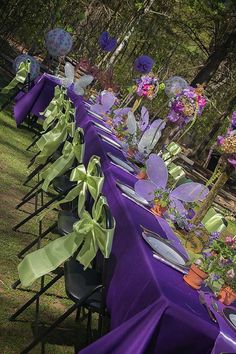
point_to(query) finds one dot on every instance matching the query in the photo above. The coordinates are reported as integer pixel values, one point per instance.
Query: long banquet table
(152, 309)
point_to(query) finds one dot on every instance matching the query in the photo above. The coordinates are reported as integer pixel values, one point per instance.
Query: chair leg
(49, 330)
(29, 197)
(33, 143)
(39, 293)
(35, 172)
(33, 159)
(89, 330)
(29, 217)
(35, 241)
(32, 190)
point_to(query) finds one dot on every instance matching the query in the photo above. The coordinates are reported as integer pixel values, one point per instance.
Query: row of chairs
(86, 288)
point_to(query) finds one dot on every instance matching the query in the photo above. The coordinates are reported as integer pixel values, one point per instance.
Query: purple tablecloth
(152, 309)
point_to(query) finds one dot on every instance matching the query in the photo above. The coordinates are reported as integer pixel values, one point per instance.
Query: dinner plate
(102, 127)
(163, 248)
(230, 316)
(110, 141)
(130, 192)
(120, 162)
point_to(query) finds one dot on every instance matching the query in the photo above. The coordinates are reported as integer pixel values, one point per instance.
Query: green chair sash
(213, 221)
(89, 233)
(54, 108)
(175, 171)
(21, 75)
(173, 149)
(86, 181)
(70, 152)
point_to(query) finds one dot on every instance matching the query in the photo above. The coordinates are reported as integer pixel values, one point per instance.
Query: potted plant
(225, 252)
(199, 270)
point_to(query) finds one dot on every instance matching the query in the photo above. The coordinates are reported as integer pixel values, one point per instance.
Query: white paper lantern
(175, 85)
(34, 64)
(58, 42)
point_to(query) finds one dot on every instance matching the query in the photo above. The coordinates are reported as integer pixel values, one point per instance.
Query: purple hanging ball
(58, 42)
(34, 64)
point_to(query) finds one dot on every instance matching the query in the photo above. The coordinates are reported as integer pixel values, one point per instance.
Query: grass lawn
(14, 336)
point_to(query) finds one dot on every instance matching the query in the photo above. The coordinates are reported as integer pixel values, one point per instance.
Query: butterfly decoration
(105, 101)
(154, 189)
(80, 84)
(141, 133)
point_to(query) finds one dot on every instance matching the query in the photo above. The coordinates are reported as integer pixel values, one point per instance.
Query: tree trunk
(214, 60)
(131, 27)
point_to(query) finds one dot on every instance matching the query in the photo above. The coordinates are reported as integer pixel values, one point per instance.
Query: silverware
(216, 306)
(204, 303)
(135, 201)
(163, 260)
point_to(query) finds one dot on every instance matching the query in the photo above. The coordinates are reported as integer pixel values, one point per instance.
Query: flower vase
(227, 295)
(195, 277)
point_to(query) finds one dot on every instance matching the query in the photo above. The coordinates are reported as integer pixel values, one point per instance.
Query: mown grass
(14, 158)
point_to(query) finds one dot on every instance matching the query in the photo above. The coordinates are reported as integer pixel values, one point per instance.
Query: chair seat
(65, 222)
(62, 184)
(80, 282)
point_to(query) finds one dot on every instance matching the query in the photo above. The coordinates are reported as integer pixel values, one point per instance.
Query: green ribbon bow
(70, 152)
(21, 75)
(51, 140)
(54, 108)
(173, 149)
(175, 171)
(89, 180)
(213, 221)
(89, 233)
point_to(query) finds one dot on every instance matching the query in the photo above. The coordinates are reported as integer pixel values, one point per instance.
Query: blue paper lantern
(34, 64)
(58, 42)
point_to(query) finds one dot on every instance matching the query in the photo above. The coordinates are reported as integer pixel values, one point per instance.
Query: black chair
(86, 288)
(64, 186)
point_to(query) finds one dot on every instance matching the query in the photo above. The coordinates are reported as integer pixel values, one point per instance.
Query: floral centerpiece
(217, 264)
(227, 143)
(167, 201)
(187, 105)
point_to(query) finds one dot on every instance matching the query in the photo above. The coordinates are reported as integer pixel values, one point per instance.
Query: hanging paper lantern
(174, 85)
(34, 64)
(58, 42)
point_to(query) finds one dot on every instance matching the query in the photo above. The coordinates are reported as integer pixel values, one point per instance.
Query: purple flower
(143, 64)
(190, 214)
(232, 161)
(220, 140)
(106, 42)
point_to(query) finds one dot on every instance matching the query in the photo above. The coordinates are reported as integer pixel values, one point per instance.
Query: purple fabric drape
(152, 309)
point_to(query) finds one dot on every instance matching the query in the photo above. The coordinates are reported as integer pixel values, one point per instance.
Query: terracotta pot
(227, 295)
(142, 175)
(158, 210)
(131, 152)
(195, 277)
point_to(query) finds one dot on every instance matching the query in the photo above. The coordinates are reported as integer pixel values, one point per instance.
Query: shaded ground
(14, 336)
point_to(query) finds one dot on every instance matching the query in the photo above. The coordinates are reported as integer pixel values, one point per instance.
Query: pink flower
(229, 240)
(232, 161)
(201, 101)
